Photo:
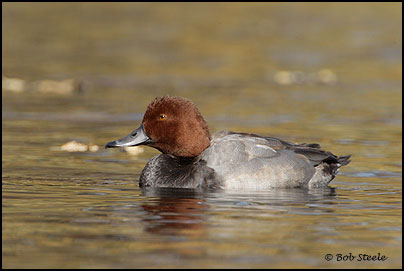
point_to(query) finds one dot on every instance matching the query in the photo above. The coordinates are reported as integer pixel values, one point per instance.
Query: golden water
(85, 209)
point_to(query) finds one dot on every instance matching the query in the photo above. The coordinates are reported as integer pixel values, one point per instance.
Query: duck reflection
(174, 211)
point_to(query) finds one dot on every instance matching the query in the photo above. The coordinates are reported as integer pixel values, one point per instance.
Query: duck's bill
(137, 137)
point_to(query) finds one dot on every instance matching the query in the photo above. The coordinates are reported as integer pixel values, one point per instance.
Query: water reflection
(174, 211)
(274, 201)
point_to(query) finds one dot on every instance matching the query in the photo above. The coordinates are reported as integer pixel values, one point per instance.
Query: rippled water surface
(324, 73)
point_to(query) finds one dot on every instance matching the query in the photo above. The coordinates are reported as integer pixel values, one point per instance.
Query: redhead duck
(191, 158)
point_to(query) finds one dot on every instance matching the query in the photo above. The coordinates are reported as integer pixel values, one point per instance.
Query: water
(339, 86)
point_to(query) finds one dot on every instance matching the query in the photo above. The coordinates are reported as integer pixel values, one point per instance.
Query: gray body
(245, 161)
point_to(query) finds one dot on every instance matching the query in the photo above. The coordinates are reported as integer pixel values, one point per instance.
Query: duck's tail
(327, 170)
(343, 160)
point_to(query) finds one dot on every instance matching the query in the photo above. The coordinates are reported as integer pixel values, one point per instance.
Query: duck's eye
(163, 116)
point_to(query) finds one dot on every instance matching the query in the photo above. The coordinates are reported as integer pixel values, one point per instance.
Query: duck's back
(250, 161)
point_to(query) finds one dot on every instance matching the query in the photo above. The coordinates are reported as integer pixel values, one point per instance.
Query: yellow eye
(163, 116)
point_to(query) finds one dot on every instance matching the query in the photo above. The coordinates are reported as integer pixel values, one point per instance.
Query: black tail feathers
(344, 160)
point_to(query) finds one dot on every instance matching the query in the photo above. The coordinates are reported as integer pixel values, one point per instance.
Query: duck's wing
(312, 151)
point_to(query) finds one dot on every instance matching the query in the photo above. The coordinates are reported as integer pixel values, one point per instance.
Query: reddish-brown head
(175, 126)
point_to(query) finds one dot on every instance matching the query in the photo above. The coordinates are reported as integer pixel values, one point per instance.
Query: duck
(192, 158)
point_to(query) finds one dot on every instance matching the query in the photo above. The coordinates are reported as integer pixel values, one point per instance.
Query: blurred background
(329, 73)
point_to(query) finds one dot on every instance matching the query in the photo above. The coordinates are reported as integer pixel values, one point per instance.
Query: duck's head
(172, 125)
